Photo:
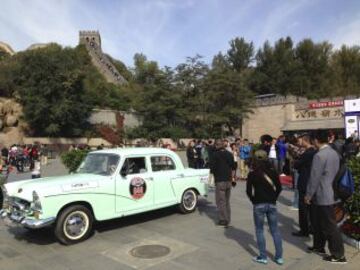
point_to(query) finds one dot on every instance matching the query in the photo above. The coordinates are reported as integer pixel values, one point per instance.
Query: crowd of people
(24, 157)
(313, 161)
(199, 154)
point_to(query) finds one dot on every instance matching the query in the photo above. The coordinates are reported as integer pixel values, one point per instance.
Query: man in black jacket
(303, 165)
(222, 165)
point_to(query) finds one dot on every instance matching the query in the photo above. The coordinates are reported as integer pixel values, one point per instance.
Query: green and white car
(109, 184)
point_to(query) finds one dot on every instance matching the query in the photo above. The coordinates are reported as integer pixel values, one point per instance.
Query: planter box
(352, 242)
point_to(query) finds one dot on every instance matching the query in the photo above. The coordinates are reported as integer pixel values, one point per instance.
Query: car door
(134, 186)
(163, 171)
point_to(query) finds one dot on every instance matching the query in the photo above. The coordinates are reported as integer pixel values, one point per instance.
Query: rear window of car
(162, 163)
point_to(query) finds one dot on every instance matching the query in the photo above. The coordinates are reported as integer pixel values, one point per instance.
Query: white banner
(351, 125)
(352, 105)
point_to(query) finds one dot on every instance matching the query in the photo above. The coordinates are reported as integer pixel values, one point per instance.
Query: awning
(314, 124)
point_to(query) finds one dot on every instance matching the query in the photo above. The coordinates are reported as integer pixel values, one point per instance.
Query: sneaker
(320, 251)
(334, 260)
(258, 259)
(222, 223)
(279, 261)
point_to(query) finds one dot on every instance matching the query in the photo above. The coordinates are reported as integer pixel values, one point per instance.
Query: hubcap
(189, 200)
(76, 225)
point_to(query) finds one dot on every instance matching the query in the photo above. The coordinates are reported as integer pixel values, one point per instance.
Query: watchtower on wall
(92, 42)
(90, 38)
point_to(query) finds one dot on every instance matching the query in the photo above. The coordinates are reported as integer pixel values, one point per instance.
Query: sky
(168, 31)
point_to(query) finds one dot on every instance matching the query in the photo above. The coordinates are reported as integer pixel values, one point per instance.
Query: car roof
(135, 151)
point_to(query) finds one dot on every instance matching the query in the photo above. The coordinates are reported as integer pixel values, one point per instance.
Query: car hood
(57, 185)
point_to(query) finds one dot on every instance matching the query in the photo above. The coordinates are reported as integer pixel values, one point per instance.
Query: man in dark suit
(223, 167)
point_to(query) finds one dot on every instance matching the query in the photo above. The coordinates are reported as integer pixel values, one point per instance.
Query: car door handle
(149, 178)
(180, 175)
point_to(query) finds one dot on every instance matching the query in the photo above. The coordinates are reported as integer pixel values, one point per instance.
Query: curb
(350, 241)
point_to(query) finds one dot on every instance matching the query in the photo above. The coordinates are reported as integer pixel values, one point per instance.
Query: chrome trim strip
(37, 223)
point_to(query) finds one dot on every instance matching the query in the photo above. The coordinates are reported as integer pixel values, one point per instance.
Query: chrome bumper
(26, 222)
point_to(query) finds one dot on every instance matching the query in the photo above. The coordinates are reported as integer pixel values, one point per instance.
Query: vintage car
(108, 184)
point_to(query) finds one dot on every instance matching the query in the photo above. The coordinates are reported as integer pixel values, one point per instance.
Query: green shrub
(72, 159)
(353, 206)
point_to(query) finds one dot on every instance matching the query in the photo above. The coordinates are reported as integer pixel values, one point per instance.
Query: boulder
(11, 107)
(11, 120)
(1, 124)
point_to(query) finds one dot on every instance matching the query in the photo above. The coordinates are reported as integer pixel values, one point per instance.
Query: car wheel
(188, 202)
(74, 224)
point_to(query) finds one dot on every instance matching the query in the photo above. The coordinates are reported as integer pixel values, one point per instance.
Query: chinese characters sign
(326, 104)
(329, 113)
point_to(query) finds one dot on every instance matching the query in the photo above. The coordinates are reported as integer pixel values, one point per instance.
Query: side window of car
(134, 165)
(162, 163)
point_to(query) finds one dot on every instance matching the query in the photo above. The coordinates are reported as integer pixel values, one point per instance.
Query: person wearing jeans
(263, 188)
(269, 211)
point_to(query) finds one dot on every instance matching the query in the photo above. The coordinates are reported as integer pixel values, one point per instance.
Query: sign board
(352, 116)
(351, 124)
(326, 113)
(352, 105)
(326, 104)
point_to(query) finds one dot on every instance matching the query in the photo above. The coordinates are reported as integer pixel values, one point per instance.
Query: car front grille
(18, 205)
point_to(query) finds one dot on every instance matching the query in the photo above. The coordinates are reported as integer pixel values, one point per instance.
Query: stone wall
(275, 114)
(92, 42)
(108, 117)
(267, 119)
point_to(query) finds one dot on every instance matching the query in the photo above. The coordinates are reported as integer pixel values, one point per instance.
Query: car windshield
(99, 163)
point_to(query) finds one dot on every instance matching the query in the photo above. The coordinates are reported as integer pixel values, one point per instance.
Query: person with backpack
(320, 195)
(263, 188)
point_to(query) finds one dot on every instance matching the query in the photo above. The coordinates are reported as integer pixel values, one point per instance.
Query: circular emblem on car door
(137, 188)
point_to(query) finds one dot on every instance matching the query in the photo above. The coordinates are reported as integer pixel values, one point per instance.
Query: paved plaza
(193, 241)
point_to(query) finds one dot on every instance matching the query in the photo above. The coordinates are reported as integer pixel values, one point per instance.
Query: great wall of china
(11, 124)
(92, 42)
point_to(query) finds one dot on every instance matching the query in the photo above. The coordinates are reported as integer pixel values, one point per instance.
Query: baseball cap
(260, 155)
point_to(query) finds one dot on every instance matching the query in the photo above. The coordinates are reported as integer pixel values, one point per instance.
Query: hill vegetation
(59, 87)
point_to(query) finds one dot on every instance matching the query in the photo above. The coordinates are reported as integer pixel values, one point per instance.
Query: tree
(156, 101)
(189, 83)
(241, 54)
(229, 100)
(313, 73)
(50, 84)
(346, 68)
(275, 68)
